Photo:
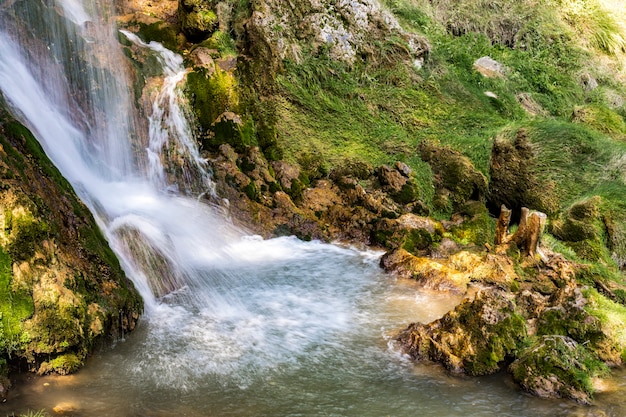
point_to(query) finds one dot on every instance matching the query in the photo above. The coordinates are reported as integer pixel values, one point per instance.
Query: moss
(251, 191)
(416, 240)
(16, 305)
(557, 366)
(479, 230)
(161, 32)
(501, 341)
(211, 95)
(221, 42)
(573, 322)
(612, 317)
(62, 364)
(409, 193)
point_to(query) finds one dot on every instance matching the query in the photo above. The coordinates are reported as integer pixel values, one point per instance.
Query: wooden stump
(528, 234)
(502, 227)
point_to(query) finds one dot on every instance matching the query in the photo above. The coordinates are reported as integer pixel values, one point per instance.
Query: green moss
(62, 364)
(221, 42)
(479, 230)
(568, 365)
(210, 96)
(16, 305)
(251, 191)
(612, 317)
(161, 32)
(416, 240)
(495, 346)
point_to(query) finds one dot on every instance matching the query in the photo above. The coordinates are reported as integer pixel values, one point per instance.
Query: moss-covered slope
(61, 287)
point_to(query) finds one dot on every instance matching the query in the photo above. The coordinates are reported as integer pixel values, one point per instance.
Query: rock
(285, 173)
(396, 183)
(65, 408)
(475, 338)
(588, 82)
(530, 105)
(456, 179)
(557, 367)
(201, 57)
(346, 29)
(227, 64)
(66, 291)
(430, 274)
(196, 18)
(227, 129)
(489, 67)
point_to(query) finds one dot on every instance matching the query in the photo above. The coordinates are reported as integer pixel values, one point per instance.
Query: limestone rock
(489, 67)
(345, 27)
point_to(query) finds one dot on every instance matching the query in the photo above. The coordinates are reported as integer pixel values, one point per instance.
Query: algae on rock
(62, 290)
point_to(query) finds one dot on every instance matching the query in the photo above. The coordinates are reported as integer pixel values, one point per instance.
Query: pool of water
(289, 329)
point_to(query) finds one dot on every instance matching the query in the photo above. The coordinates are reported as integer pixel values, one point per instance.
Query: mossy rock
(62, 290)
(456, 179)
(476, 338)
(210, 94)
(558, 367)
(197, 18)
(478, 230)
(513, 179)
(62, 365)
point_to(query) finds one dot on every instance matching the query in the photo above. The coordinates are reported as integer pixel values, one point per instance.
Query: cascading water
(234, 325)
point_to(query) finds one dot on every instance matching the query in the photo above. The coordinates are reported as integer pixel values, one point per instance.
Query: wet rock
(65, 408)
(66, 290)
(475, 338)
(557, 367)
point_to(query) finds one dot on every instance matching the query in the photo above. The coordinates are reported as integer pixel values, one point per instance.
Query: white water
(234, 325)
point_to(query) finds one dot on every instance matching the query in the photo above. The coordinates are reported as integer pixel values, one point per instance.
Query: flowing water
(234, 325)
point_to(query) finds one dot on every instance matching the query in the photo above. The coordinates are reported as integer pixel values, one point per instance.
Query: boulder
(557, 367)
(475, 338)
(489, 67)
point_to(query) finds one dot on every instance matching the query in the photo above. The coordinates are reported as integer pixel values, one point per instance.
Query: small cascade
(172, 147)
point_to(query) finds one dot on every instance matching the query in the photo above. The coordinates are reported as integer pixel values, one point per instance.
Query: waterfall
(62, 74)
(217, 301)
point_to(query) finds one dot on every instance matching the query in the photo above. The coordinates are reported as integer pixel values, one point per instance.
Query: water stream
(234, 325)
